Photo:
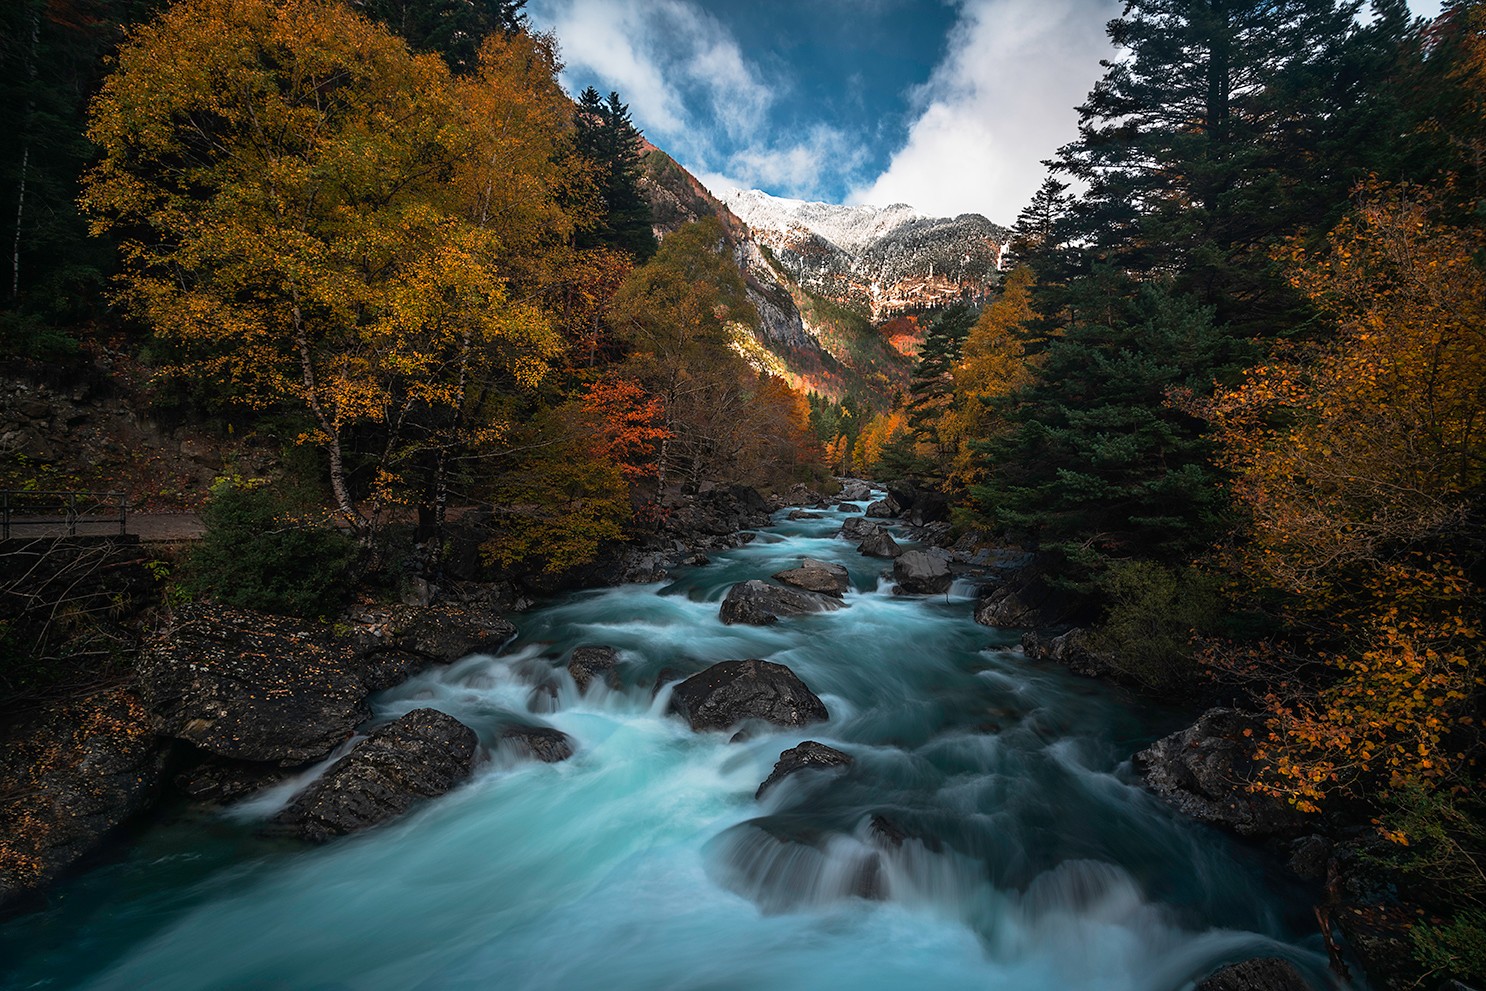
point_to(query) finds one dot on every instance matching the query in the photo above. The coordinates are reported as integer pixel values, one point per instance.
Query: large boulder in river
(817, 576)
(69, 778)
(730, 692)
(855, 490)
(807, 755)
(859, 528)
(760, 604)
(249, 686)
(1259, 974)
(921, 573)
(587, 663)
(422, 755)
(883, 509)
(542, 742)
(880, 543)
(1204, 772)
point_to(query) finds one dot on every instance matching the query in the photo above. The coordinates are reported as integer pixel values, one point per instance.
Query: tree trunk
(20, 200)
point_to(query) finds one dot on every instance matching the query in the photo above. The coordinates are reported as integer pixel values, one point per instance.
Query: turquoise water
(1033, 861)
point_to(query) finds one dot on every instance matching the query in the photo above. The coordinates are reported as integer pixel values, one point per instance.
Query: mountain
(883, 260)
(827, 280)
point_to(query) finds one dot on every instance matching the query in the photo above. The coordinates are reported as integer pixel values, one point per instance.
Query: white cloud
(1002, 100)
(694, 92)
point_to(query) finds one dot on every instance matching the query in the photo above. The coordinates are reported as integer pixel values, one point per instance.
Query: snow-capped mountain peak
(851, 228)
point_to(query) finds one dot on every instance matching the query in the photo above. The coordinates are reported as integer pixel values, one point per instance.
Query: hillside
(885, 260)
(827, 280)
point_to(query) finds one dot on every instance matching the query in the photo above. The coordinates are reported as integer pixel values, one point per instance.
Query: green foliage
(52, 56)
(557, 503)
(1456, 948)
(1442, 848)
(261, 552)
(29, 337)
(453, 28)
(609, 141)
(1151, 615)
(1098, 464)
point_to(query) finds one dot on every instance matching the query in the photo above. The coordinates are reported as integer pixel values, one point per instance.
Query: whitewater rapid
(1032, 858)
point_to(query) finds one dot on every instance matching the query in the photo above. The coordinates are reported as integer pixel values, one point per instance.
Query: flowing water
(1028, 858)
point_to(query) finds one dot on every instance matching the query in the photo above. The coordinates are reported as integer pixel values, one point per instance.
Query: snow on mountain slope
(851, 228)
(879, 260)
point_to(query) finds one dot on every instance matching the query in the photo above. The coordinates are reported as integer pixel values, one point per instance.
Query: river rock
(800, 514)
(422, 755)
(468, 622)
(729, 692)
(855, 490)
(69, 778)
(859, 528)
(880, 543)
(249, 686)
(883, 509)
(817, 576)
(921, 573)
(1259, 974)
(1203, 771)
(1069, 649)
(1004, 609)
(542, 742)
(758, 603)
(902, 494)
(587, 663)
(801, 494)
(807, 754)
(929, 507)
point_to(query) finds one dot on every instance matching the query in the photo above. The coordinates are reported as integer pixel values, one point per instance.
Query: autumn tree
(994, 364)
(330, 223)
(674, 312)
(1359, 462)
(453, 29)
(561, 498)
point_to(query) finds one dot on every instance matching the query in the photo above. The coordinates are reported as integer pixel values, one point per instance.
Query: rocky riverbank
(216, 703)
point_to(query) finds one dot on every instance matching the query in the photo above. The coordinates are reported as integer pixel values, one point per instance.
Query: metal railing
(67, 512)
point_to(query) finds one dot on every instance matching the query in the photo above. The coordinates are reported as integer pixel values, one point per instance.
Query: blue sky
(947, 105)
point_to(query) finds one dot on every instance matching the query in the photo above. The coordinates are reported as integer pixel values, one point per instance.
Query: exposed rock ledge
(1204, 771)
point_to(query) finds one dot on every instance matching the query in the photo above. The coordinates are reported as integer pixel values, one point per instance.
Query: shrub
(259, 553)
(1151, 614)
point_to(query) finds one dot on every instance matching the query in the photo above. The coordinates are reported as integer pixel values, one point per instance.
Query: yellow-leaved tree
(993, 364)
(1360, 462)
(330, 224)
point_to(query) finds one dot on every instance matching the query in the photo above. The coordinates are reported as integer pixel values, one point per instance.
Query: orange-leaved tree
(1360, 462)
(328, 223)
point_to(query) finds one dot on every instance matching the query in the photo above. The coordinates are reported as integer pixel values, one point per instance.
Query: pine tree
(608, 140)
(453, 28)
(1097, 464)
(931, 390)
(1198, 148)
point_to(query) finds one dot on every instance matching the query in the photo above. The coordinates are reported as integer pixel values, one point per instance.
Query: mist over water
(1021, 854)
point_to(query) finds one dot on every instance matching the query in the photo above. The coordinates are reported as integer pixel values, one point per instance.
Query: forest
(1230, 394)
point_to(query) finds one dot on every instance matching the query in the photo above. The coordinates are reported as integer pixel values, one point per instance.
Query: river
(1034, 861)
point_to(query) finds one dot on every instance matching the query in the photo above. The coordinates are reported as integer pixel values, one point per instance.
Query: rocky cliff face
(820, 275)
(881, 260)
